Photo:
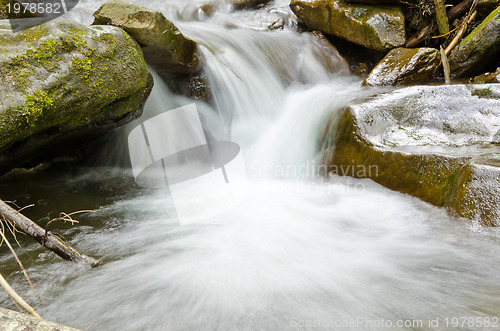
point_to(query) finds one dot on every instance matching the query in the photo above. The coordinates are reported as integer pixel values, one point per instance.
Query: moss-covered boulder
(245, 4)
(404, 66)
(376, 27)
(63, 82)
(164, 46)
(433, 142)
(478, 48)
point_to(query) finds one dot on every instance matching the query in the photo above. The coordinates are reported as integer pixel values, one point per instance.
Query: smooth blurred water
(300, 252)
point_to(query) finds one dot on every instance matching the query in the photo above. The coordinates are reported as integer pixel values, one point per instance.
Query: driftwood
(452, 14)
(44, 238)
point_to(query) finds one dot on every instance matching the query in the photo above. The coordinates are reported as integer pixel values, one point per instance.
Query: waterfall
(298, 252)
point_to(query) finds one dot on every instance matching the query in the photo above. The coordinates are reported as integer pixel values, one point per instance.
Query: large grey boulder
(404, 66)
(376, 27)
(478, 48)
(432, 142)
(64, 82)
(165, 47)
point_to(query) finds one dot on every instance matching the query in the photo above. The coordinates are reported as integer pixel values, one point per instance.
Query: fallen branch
(17, 298)
(452, 14)
(460, 34)
(44, 238)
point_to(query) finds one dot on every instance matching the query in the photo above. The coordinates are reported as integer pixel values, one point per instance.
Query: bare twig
(17, 298)
(452, 14)
(66, 218)
(18, 260)
(28, 206)
(45, 239)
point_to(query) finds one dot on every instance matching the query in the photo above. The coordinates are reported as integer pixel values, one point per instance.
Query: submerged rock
(433, 142)
(4, 13)
(245, 4)
(195, 86)
(260, 20)
(376, 27)
(478, 48)
(404, 66)
(375, 2)
(12, 320)
(65, 82)
(164, 46)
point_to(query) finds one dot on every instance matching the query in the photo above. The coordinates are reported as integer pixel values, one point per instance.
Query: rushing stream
(299, 252)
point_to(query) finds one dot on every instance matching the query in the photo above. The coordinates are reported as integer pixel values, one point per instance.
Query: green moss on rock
(64, 76)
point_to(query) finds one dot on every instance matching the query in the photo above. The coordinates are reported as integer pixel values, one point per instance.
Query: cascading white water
(298, 252)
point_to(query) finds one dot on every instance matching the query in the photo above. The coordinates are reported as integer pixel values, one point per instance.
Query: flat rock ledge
(436, 143)
(13, 321)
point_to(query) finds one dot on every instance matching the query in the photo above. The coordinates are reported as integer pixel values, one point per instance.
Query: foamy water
(299, 252)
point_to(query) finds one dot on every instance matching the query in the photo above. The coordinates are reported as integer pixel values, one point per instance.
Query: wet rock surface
(194, 86)
(431, 142)
(164, 46)
(489, 77)
(405, 66)
(375, 27)
(246, 4)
